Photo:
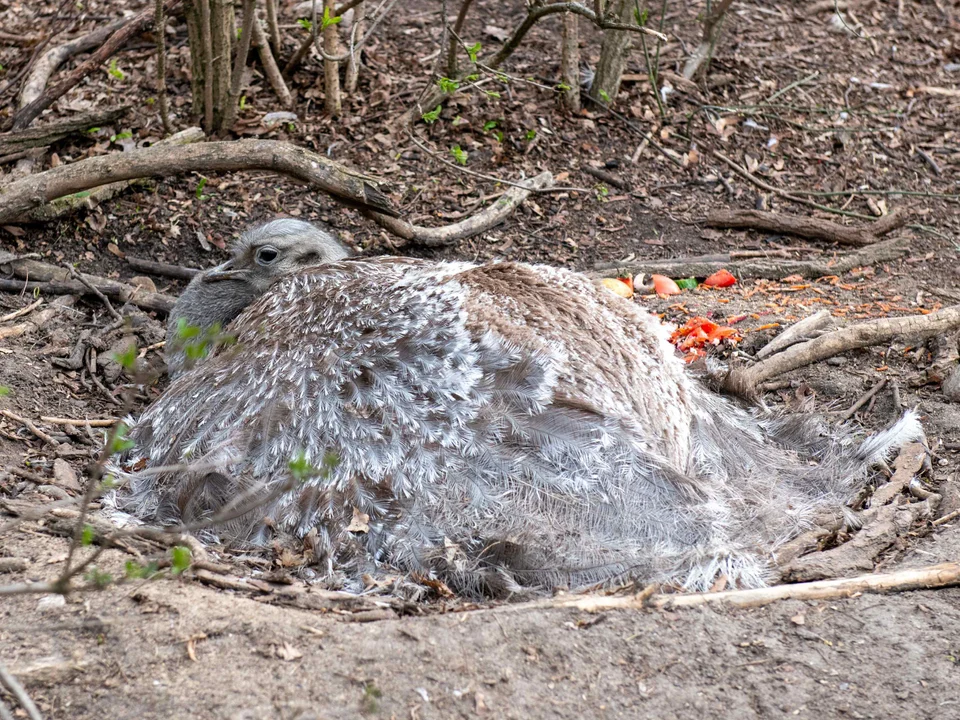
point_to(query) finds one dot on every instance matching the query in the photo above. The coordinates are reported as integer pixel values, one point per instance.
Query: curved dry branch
(852, 337)
(474, 225)
(349, 187)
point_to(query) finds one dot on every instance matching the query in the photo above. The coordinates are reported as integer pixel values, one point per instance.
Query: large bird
(502, 428)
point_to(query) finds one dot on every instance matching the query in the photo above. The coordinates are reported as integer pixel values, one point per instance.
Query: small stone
(144, 283)
(951, 386)
(836, 361)
(65, 476)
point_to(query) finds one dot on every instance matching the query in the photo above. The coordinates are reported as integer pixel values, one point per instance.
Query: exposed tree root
(807, 227)
(490, 217)
(860, 335)
(798, 332)
(761, 268)
(19, 198)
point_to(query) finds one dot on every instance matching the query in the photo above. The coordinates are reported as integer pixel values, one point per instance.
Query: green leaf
(605, 96)
(491, 93)
(87, 535)
(186, 331)
(200, 186)
(687, 283)
(563, 87)
(641, 17)
(135, 571)
(433, 115)
(120, 440)
(305, 24)
(93, 130)
(243, 101)
(531, 134)
(301, 469)
(489, 124)
(180, 559)
(327, 20)
(473, 51)
(4, 390)
(459, 154)
(448, 86)
(499, 136)
(472, 78)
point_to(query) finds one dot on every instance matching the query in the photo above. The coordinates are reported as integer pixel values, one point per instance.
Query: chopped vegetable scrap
(621, 286)
(664, 286)
(720, 279)
(692, 337)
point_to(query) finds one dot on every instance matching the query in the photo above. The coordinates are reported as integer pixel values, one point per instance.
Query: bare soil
(802, 104)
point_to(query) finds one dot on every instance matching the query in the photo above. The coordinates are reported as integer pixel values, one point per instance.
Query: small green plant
(98, 578)
(197, 343)
(370, 702)
(4, 390)
(135, 571)
(305, 24)
(199, 191)
(127, 359)
(604, 95)
(448, 86)
(489, 125)
(151, 101)
(531, 134)
(473, 77)
(125, 135)
(243, 101)
(602, 192)
(114, 71)
(473, 51)
(93, 130)
(491, 93)
(563, 87)
(180, 559)
(459, 154)
(328, 19)
(87, 535)
(433, 115)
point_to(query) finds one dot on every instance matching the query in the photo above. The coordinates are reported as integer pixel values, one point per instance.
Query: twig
(606, 177)
(14, 687)
(481, 222)
(29, 112)
(75, 422)
(273, 27)
(946, 518)
(28, 424)
(797, 332)
(126, 293)
(859, 335)
(22, 311)
(206, 35)
(331, 63)
(743, 172)
(352, 74)
(807, 227)
(928, 158)
(864, 399)
(92, 288)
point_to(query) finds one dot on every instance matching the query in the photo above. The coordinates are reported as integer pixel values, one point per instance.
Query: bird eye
(267, 255)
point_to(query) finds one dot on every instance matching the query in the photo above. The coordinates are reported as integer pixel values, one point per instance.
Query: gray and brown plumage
(501, 427)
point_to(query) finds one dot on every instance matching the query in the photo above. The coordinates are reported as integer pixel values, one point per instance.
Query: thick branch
(481, 222)
(807, 227)
(240, 64)
(761, 268)
(110, 288)
(852, 337)
(47, 134)
(270, 68)
(28, 113)
(18, 198)
(54, 57)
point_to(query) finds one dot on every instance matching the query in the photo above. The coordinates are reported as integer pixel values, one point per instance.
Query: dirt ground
(801, 103)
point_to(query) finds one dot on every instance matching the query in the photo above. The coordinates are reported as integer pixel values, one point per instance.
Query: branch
(47, 134)
(347, 186)
(852, 337)
(490, 217)
(761, 268)
(798, 332)
(807, 227)
(29, 112)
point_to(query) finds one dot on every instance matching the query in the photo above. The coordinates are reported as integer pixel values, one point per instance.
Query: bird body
(500, 427)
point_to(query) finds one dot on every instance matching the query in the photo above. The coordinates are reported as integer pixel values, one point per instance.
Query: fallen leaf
(287, 652)
(360, 522)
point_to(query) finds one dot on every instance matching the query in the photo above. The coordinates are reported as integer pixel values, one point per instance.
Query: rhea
(502, 427)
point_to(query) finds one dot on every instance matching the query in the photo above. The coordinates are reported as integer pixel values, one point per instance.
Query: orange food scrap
(692, 337)
(720, 279)
(664, 286)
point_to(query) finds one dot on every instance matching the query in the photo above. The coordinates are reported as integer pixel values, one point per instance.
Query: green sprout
(459, 154)
(433, 115)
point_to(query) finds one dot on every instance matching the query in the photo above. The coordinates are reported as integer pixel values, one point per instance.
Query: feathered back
(501, 427)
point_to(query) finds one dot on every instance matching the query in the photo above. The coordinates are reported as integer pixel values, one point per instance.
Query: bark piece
(807, 227)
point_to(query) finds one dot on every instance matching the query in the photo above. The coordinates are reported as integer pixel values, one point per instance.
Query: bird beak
(225, 271)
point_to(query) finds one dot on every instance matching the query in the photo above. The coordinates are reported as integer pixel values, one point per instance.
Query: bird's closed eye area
(267, 255)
